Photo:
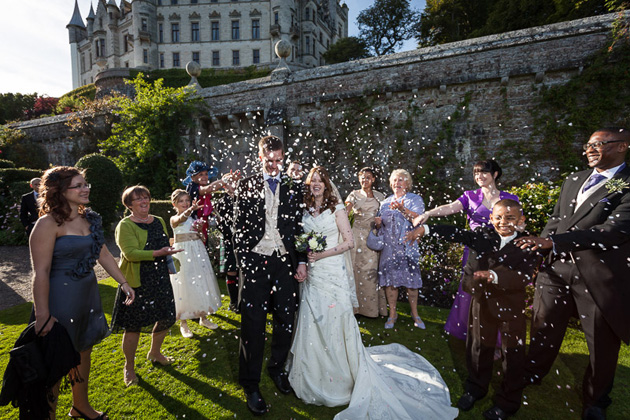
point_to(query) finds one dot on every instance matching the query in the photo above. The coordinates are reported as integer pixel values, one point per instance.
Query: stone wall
(434, 111)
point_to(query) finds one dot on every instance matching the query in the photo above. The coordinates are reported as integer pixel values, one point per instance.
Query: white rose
(313, 244)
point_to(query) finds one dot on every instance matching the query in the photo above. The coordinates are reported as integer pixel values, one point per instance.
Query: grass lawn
(202, 384)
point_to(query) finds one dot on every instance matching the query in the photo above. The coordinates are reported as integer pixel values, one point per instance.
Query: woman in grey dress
(66, 243)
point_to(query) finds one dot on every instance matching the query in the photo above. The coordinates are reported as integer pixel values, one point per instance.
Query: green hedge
(6, 164)
(11, 175)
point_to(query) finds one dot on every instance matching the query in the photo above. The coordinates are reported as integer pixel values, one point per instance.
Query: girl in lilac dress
(477, 205)
(399, 264)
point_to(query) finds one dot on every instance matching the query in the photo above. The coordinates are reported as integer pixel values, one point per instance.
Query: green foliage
(538, 200)
(86, 92)
(11, 175)
(386, 24)
(14, 105)
(107, 184)
(346, 49)
(19, 149)
(146, 143)
(208, 78)
(164, 209)
(444, 21)
(11, 230)
(6, 164)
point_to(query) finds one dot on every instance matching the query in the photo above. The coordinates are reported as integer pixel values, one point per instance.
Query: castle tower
(90, 22)
(77, 33)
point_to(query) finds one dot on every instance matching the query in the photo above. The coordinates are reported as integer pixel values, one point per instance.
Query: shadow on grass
(16, 315)
(170, 404)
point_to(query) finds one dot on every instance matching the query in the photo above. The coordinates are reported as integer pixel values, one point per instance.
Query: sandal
(417, 322)
(390, 322)
(167, 360)
(103, 416)
(127, 380)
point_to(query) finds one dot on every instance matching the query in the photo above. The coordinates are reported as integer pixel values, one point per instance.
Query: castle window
(173, 2)
(161, 60)
(175, 59)
(145, 56)
(307, 41)
(216, 59)
(159, 2)
(100, 47)
(126, 43)
(307, 13)
(236, 32)
(144, 24)
(255, 28)
(276, 18)
(174, 32)
(236, 58)
(215, 30)
(255, 56)
(194, 31)
(160, 32)
(193, 1)
(195, 57)
(82, 62)
(214, 1)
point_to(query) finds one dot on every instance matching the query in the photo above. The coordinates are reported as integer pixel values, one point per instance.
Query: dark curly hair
(54, 183)
(330, 200)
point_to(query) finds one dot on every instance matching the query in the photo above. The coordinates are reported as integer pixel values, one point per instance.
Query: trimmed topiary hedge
(107, 186)
(6, 164)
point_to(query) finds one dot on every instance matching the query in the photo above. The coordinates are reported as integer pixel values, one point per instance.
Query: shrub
(538, 200)
(11, 175)
(11, 230)
(106, 180)
(22, 151)
(6, 164)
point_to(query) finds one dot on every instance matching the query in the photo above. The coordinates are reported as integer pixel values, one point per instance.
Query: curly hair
(330, 200)
(51, 200)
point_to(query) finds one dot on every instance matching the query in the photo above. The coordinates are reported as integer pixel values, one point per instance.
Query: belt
(184, 237)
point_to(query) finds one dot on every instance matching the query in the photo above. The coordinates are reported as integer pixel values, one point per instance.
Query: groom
(268, 213)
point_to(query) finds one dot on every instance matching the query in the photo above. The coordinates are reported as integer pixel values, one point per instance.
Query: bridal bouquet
(310, 242)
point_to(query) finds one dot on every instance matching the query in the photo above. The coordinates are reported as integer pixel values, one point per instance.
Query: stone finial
(194, 70)
(283, 50)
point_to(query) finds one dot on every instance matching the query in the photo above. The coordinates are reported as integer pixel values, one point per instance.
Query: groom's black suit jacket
(249, 215)
(597, 238)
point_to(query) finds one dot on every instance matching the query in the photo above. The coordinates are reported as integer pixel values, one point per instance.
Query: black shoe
(282, 383)
(256, 403)
(467, 401)
(234, 308)
(594, 413)
(495, 413)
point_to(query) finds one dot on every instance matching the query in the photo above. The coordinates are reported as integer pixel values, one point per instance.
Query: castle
(163, 34)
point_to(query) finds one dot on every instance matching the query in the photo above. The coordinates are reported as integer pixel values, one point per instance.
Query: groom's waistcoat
(271, 240)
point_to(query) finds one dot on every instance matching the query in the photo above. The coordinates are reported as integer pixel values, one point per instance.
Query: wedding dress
(328, 364)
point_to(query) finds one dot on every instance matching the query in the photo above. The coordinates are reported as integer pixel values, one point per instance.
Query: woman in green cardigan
(144, 245)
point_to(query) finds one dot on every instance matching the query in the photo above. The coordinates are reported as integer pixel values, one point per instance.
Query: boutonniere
(616, 185)
(288, 181)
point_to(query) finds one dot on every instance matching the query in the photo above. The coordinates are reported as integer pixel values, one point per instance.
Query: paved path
(15, 274)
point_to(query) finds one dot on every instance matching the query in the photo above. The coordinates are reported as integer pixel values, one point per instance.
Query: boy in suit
(495, 274)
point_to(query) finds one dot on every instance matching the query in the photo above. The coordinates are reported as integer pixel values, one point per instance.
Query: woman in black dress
(65, 244)
(144, 245)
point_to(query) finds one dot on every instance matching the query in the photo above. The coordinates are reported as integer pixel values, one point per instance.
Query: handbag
(375, 240)
(29, 358)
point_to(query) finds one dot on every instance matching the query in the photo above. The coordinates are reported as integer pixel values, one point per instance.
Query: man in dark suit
(29, 211)
(268, 215)
(586, 271)
(496, 275)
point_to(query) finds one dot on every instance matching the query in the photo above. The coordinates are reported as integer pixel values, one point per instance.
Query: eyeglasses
(143, 198)
(598, 144)
(80, 187)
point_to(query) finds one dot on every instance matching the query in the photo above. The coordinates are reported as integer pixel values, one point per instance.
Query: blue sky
(35, 53)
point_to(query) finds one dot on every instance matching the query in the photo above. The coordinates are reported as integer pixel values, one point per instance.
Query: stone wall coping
(43, 121)
(594, 24)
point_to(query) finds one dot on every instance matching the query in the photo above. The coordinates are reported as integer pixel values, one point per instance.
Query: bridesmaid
(477, 205)
(365, 203)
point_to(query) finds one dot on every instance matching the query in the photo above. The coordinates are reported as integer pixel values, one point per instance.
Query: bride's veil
(347, 256)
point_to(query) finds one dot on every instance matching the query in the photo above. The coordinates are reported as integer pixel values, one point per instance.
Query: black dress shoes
(594, 413)
(282, 383)
(495, 413)
(466, 402)
(256, 403)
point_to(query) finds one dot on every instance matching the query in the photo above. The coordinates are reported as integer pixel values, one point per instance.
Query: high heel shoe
(390, 322)
(418, 323)
(156, 361)
(103, 416)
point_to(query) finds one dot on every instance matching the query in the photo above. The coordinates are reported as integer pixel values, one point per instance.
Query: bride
(328, 364)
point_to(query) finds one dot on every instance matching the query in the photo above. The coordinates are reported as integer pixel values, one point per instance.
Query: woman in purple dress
(399, 264)
(477, 205)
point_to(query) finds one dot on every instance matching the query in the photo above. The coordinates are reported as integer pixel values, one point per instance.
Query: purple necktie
(592, 181)
(273, 183)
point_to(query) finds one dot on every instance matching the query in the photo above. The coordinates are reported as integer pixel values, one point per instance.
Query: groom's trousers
(268, 286)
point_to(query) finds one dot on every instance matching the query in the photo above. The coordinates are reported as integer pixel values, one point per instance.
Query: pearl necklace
(141, 220)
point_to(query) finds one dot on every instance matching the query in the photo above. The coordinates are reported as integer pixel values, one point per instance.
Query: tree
(147, 139)
(14, 105)
(346, 49)
(444, 21)
(384, 26)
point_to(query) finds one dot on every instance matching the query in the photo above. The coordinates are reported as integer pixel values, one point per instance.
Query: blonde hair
(177, 194)
(405, 174)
